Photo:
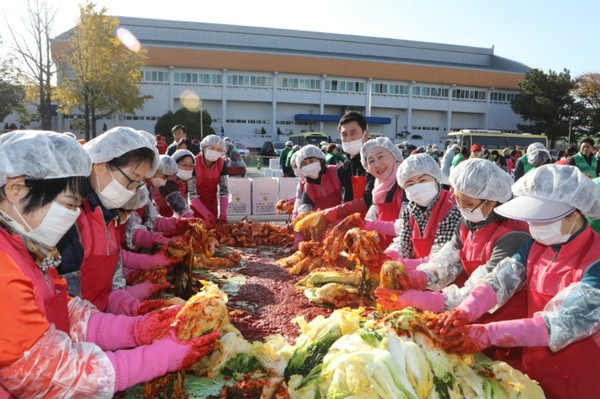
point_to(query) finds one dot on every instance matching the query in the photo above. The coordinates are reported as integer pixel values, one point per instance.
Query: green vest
(457, 158)
(526, 165)
(584, 166)
(595, 223)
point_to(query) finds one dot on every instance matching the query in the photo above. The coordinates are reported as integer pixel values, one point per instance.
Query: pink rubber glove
(150, 361)
(381, 227)
(188, 215)
(474, 338)
(137, 261)
(479, 301)
(417, 279)
(223, 205)
(122, 302)
(146, 289)
(298, 238)
(411, 264)
(199, 207)
(345, 209)
(143, 238)
(165, 225)
(395, 300)
(392, 254)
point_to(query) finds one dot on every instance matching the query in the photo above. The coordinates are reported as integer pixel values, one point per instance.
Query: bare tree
(35, 52)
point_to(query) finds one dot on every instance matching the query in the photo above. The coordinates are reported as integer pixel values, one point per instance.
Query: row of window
(251, 121)
(346, 86)
(431, 128)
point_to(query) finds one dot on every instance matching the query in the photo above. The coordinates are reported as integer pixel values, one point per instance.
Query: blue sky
(544, 34)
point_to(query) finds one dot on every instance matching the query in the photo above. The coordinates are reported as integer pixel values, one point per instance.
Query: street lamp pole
(570, 125)
(396, 132)
(201, 125)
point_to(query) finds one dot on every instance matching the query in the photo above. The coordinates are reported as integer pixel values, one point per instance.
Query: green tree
(12, 94)
(587, 92)
(187, 118)
(546, 101)
(37, 67)
(97, 73)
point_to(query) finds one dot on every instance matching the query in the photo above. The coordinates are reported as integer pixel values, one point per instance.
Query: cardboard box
(287, 187)
(274, 163)
(273, 172)
(264, 195)
(240, 202)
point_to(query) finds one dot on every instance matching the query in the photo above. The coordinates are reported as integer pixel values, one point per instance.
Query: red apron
(477, 250)
(49, 289)
(422, 244)
(328, 193)
(388, 212)
(358, 186)
(207, 182)
(573, 371)
(101, 250)
(161, 204)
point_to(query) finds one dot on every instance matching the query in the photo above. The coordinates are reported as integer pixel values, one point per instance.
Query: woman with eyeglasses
(52, 345)
(483, 239)
(91, 255)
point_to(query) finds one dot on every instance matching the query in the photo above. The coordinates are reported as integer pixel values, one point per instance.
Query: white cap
(416, 165)
(382, 142)
(535, 146)
(177, 155)
(309, 151)
(41, 155)
(288, 143)
(481, 179)
(116, 142)
(167, 165)
(550, 193)
(213, 139)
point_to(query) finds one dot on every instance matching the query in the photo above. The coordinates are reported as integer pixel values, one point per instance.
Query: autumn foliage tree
(587, 91)
(98, 74)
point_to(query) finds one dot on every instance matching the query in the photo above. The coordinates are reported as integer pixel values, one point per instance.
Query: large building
(263, 84)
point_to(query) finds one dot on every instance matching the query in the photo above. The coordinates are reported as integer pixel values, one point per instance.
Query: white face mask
(114, 195)
(352, 147)
(211, 155)
(158, 182)
(549, 233)
(56, 223)
(423, 193)
(185, 174)
(475, 216)
(311, 170)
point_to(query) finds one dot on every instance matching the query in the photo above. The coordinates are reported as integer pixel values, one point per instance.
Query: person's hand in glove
(150, 305)
(474, 338)
(137, 261)
(203, 211)
(165, 225)
(152, 325)
(143, 238)
(479, 301)
(146, 289)
(396, 300)
(223, 205)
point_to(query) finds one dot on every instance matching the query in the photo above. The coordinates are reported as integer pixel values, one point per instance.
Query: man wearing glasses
(180, 133)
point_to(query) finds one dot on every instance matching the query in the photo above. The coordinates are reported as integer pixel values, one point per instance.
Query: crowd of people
(501, 245)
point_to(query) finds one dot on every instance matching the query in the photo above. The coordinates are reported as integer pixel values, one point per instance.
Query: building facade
(263, 84)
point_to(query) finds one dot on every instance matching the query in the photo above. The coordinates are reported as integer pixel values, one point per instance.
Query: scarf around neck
(381, 189)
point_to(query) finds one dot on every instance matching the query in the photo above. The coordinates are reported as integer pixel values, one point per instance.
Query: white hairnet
(294, 164)
(41, 155)
(150, 136)
(561, 183)
(418, 164)
(309, 151)
(296, 147)
(71, 135)
(139, 199)
(167, 165)
(118, 141)
(538, 157)
(152, 140)
(482, 179)
(228, 140)
(288, 143)
(213, 139)
(177, 155)
(453, 147)
(382, 142)
(535, 146)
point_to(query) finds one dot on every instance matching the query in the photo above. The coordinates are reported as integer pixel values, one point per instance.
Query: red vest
(101, 251)
(50, 290)
(327, 194)
(207, 182)
(388, 212)
(422, 245)
(358, 186)
(573, 371)
(161, 204)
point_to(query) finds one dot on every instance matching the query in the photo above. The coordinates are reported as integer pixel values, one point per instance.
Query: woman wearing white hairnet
(381, 158)
(431, 217)
(209, 190)
(52, 345)
(483, 239)
(91, 255)
(559, 270)
(176, 188)
(536, 155)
